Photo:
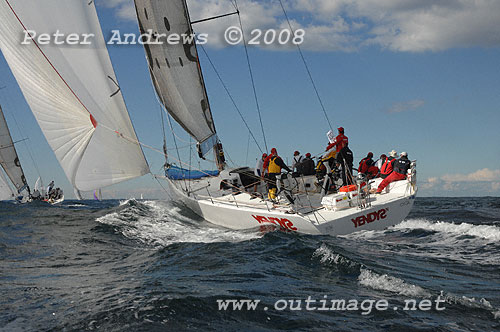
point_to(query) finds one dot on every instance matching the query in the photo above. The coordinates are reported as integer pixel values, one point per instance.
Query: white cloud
(405, 106)
(124, 9)
(481, 182)
(346, 25)
(484, 174)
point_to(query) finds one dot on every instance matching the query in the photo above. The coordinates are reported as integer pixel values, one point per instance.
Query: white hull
(55, 201)
(240, 212)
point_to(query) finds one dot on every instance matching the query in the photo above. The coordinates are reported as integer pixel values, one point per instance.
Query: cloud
(405, 106)
(124, 9)
(484, 174)
(348, 25)
(479, 183)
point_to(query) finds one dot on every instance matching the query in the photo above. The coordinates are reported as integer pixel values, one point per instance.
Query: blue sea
(146, 265)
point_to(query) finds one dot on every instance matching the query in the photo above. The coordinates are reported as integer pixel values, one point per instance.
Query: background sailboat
(11, 165)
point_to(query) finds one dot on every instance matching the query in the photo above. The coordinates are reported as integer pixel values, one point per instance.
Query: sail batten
(72, 91)
(175, 69)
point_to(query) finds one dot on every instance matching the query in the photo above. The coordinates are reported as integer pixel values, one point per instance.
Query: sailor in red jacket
(340, 141)
(367, 166)
(388, 165)
(401, 167)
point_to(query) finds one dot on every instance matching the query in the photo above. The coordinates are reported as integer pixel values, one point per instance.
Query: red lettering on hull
(281, 222)
(370, 217)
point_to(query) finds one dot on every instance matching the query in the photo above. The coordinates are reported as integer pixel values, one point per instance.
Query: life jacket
(373, 171)
(387, 167)
(273, 167)
(364, 165)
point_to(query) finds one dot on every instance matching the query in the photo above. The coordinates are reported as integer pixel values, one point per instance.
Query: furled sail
(174, 67)
(8, 156)
(72, 90)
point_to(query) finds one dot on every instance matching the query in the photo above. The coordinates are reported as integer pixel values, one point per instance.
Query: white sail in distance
(72, 91)
(5, 190)
(175, 69)
(9, 158)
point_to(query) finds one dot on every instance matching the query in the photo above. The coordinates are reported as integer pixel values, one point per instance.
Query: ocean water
(155, 266)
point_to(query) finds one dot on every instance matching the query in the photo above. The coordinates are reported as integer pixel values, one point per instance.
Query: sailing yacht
(75, 97)
(220, 196)
(11, 166)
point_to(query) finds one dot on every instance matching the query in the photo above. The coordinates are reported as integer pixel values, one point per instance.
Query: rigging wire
(230, 97)
(251, 75)
(307, 67)
(175, 142)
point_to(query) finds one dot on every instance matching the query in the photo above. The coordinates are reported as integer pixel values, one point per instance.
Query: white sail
(72, 91)
(175, 69)
(8, 156)
(5, 190)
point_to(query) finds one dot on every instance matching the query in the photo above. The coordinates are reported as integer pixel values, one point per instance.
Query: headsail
(5, 190)
(175, 69)
(72, 91)
(8, 156)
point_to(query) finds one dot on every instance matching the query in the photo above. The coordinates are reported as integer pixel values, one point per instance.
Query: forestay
(8, 156)
(174, 67)
(72, 91)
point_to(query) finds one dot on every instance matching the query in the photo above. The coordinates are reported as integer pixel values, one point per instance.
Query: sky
(419, 76)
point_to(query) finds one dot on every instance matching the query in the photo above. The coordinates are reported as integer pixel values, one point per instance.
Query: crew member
(259, 171)
(388, 165)
(274, 164)
(340, 141)
(401, 167)
(345, 159)
(308, 165)
(367, 166)
(297, 159)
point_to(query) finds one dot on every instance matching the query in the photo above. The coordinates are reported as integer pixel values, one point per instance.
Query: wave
(487, 232)
(329, 257)
(387, 283)
(161, 224)
(391, 284)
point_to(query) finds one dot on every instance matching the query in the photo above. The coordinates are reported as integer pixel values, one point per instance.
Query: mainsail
(175, 69)
(72, 91)
(8, 157)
